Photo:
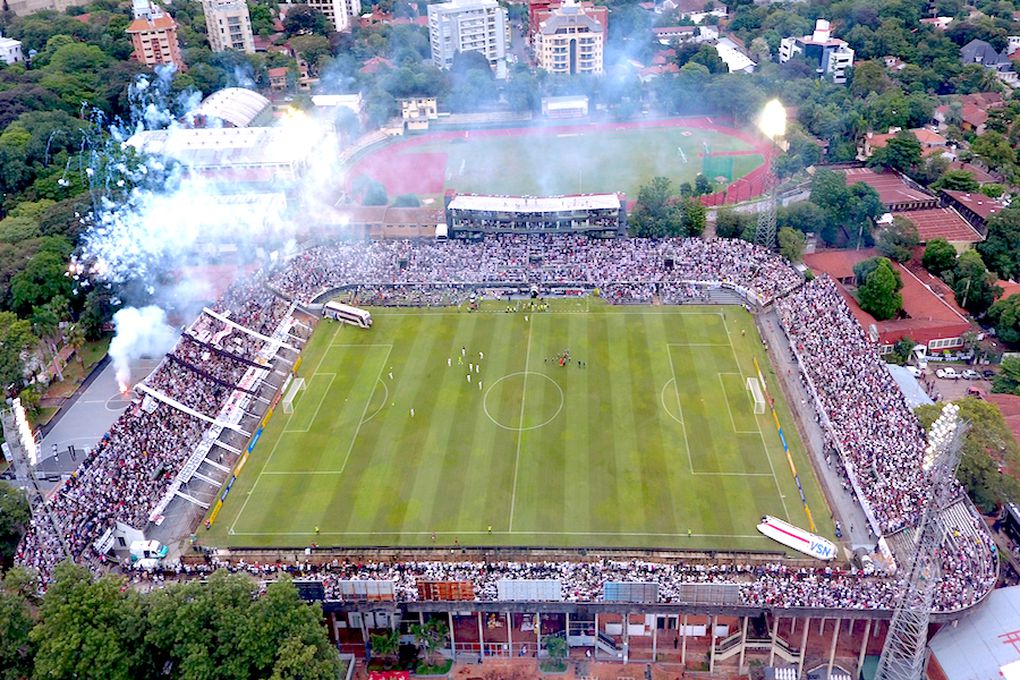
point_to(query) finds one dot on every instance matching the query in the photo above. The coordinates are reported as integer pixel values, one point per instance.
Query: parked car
(971, 374)
(914, 371)
(988, 373)
(948, 374)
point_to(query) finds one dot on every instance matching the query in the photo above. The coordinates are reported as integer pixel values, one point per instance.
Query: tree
(902, 152)
(957, 180)
(902, 349)
(973, 285)
(898, 240)
(791, 244)
(312, 49)
(653, 215)
(221, 629)
(304, 20)
(556, 647)
(1007, 380)
(999, 249)
(1005, 314)
(702, 185)
(406, 201)
(92, 629)
(987, 444)
(15, 621)
(729, 223)
(878, 295)
(14, 517)
(46, 325)
(76, 341)
(994, 149)
(385, 645)
(804, 216)
(430, 636)
(692, 217)
(939, 257)
(42, 279)
(15, 338)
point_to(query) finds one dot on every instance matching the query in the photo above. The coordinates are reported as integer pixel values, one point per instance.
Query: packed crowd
(132, 466)
(881, 440)
(549, 261)
(874, 435)
(764, 585)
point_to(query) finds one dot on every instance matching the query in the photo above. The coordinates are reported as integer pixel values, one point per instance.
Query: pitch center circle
(505, 398)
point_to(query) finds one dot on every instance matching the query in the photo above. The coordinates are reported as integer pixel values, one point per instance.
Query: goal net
(288, 398)
(756, 395)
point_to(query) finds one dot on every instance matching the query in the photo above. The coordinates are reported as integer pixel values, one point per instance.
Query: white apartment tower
(569, 41)
(229, 25)
(469, 26)
(341, 13)
(831, 56)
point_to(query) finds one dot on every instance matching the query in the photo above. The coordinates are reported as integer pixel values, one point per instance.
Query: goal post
(288, 399)
(756, 395)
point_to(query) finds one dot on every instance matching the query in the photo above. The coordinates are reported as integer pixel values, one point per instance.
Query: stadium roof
(985, 643)
(235, 105)
(911, 389)
(892, 189)
(209, 147)
(941, 223)
(536, 204)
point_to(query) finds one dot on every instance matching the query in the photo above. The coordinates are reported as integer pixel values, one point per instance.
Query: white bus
(347, 314)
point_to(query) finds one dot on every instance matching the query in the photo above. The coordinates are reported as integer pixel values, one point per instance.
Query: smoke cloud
(140, 332)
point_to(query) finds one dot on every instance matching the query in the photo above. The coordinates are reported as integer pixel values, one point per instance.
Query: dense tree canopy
(879, 294)
(988, 444)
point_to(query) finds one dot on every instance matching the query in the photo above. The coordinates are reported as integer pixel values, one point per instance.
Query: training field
(557, 160)
(653, 437)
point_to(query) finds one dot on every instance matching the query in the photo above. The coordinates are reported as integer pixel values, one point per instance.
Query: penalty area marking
(386, 391)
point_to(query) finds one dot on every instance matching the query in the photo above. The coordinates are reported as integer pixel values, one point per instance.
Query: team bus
(347, 314)
(797, 538)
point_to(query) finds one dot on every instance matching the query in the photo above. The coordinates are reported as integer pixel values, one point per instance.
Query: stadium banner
(241, 462)
(529, 590)
(297, 365)
(266, 417)
(433, 591)
(226, 489)
(255, 439)
(786, 447)
(215, 512)
(796, 538)
(623, 591)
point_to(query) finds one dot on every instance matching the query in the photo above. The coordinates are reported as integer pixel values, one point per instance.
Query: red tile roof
(1009, 405)
(941, 223)
(163, 22)
(929, 316)
(982, 205)
(891, 187)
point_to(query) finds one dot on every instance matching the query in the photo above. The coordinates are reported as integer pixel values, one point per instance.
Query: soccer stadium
(530, 426)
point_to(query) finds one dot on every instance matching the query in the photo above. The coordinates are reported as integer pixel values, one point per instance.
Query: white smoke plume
(140, 332)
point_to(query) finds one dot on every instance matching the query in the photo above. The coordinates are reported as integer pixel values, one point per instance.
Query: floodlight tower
(772, 123)
(904, 650)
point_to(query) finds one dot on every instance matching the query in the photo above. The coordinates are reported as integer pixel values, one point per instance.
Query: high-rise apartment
(570, 40)
(229, 25)
(469, 26)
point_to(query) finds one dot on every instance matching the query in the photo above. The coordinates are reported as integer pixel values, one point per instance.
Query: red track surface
(424, 173)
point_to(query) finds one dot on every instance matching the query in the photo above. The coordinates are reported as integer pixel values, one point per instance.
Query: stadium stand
(877, 439)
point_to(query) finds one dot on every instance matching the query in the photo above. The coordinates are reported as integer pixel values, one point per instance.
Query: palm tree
(76, 340)
(46, 324)
(386, 645)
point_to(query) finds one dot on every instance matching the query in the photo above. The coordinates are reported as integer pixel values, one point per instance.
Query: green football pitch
(647, 437)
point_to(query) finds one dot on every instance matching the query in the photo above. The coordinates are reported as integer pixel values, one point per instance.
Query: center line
(520, 433)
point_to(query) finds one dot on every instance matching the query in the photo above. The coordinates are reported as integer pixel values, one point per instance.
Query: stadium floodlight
(772, 124)
(772, 120)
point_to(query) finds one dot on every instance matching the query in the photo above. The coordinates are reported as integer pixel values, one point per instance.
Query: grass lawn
(573, 163)
(654, 438)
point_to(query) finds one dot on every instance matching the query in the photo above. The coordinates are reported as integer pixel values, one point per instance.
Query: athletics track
(424, 173)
